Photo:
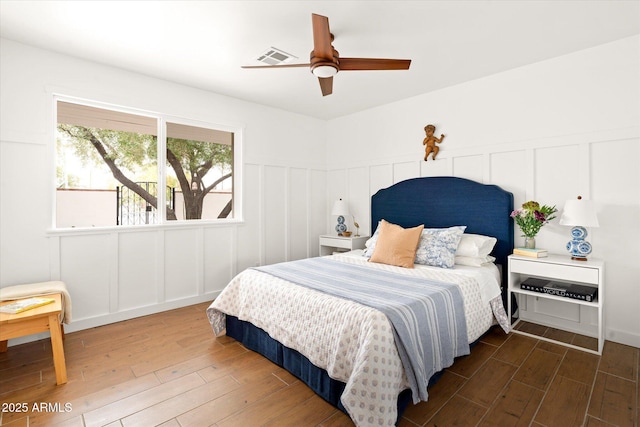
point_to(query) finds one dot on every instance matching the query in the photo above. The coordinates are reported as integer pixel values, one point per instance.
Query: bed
(355, 353)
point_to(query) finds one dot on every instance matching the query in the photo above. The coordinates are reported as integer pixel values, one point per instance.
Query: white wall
(118, 274)
(548, 132)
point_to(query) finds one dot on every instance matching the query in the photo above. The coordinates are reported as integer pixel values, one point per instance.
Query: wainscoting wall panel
(549, 171)
(358, 183)
(275, 219)
(436, 168)
(470, 167)
(405, 170)
(317, 208)
(91, 268)
(297, 213)
(380, 176)
(182, 263)
(140, 269)
(505, 170)
(337, 188)
(23, 151)
(561, 164)
(250, 240)
(615, 184)
(133, 272)
(218, 257)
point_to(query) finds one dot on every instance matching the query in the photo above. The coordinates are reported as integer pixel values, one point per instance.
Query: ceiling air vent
(273, 56)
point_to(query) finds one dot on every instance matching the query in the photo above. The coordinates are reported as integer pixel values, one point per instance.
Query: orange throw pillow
(396, 245)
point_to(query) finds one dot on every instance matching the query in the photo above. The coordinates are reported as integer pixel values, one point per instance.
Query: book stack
(533, 284)
(568, 290)
(531, 253)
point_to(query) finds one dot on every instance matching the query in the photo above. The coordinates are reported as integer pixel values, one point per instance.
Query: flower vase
(530, 242)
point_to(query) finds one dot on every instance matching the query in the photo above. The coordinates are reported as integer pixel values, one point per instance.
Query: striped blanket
(427, 316)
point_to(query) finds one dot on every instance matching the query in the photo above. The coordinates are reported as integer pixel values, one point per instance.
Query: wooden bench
(36, 320)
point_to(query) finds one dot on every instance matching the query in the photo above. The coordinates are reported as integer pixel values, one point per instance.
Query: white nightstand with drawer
(334, 243)
(559, 268)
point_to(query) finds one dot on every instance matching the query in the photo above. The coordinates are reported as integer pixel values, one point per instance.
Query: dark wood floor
(168, 369)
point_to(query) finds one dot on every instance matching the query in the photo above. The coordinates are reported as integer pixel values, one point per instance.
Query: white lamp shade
(579, 212)
(340, 207)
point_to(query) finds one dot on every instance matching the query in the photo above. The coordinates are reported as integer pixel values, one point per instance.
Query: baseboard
(106, 319)
(622, 337)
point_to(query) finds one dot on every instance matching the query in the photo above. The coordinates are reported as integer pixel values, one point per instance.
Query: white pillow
(370, 244)
(475, 245)
(437, 246)
(478, 261)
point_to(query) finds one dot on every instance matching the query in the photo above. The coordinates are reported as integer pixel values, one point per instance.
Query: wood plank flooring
(168, 369)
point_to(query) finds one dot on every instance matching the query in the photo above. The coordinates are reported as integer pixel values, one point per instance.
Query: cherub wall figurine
(430, 142)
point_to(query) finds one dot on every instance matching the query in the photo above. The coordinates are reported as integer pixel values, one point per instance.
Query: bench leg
(3, 346)
(58, 350)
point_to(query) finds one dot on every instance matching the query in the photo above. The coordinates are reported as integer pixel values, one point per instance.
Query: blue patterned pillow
(437, 246)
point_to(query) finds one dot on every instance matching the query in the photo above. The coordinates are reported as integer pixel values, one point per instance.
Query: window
(113, 168)
(199, 162)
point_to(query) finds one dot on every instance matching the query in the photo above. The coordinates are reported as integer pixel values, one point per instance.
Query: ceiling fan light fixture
(324, 71)
(324, 59)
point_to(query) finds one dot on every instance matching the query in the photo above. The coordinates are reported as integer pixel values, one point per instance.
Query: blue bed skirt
(317, 379)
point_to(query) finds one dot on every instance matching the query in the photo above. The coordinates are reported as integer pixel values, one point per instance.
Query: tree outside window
(107, 169)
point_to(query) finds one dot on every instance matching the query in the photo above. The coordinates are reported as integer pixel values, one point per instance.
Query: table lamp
(579, 213)
(341, 209)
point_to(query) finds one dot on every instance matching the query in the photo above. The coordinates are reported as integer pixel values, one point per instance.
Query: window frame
(162, 120)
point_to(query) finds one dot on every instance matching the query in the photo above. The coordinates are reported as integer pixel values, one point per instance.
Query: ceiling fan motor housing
(325, 61)
(323, 67)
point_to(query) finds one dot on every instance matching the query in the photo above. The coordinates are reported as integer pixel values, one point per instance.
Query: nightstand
(558, 268)
(334, 243)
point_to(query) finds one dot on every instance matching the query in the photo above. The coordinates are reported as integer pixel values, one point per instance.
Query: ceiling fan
(325, 61)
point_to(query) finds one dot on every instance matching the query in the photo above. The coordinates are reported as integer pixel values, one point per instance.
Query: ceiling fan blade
(321, 37)
(326, 85)
(325, 60)
(276, 66)
(351, 64)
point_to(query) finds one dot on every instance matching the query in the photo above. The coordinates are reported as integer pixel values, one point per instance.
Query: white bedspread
(353, 343)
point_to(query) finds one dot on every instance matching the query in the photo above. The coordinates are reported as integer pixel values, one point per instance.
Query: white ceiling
(204, 43)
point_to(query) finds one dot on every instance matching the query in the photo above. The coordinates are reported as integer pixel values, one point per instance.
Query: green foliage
(133, 156)
(194, 155)
(531, 217)
(137, 152)
(68, 181)
(198, 157)
(129, 150)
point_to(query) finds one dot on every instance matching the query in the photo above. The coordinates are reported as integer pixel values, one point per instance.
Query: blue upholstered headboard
(446, 201)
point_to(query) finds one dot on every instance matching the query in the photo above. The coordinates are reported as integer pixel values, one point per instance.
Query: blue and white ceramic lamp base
(341, 226)
(578, 246)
